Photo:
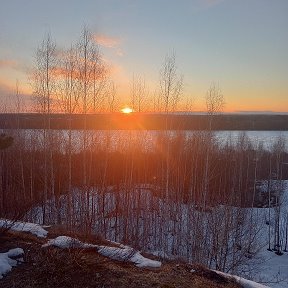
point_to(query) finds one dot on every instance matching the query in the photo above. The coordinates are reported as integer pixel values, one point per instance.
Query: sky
(242, 45)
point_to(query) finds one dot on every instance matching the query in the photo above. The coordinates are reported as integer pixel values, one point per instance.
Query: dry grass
(52, 267)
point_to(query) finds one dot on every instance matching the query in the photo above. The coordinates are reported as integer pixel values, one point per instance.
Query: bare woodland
(185, 195)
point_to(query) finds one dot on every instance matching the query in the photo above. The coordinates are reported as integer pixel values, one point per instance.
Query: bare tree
(43, 76)
(110, 94)
(100, 82)
(214, 102)
(68, 97)
(171, 84)
(138, 91)
(91, 80)
(92, 72)
(278, 151)
(44, 90)
(189, 104)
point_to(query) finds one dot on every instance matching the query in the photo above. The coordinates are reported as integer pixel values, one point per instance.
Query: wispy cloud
(109, 42)
(6, 63)
(119, 52)
(106, 41)
(4, 87)
(8, 97)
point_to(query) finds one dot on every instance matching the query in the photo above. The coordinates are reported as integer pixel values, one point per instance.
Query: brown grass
(52, 267)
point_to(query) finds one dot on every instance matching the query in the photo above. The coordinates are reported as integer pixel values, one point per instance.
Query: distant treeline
(144, 121)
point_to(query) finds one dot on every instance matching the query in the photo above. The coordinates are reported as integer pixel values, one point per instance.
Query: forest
(146, 121)
(187, 196)
(173, 193)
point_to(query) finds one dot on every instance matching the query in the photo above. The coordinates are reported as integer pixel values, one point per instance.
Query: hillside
(54, 267)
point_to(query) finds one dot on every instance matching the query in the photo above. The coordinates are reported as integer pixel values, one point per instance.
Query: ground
(54, 267)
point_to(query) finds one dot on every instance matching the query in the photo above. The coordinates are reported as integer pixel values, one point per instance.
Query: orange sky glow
(240, 47)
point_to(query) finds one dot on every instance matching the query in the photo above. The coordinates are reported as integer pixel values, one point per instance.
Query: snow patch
(116, 253)
(68, 242)
(32, 228)
(243, 282)
(6, 261)
(141, 261)
(121, 253)
(126, 253)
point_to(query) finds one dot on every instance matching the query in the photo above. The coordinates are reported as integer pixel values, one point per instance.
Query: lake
(146, 138)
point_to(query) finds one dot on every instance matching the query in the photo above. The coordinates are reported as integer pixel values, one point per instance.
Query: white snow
(264, 267)
(32, 228)
(127, 253)
(243, 282)
(116, 253)
(68, 242)
(6, 261)
(121, 253)
(273, 269)
(270, 268)
(141, 261)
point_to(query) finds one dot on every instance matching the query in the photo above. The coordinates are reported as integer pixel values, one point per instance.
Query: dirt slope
(53, 267)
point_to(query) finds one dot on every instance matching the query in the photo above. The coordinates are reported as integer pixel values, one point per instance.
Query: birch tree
(44, 90)
(171, 84)
(214, 105)
(138, 91)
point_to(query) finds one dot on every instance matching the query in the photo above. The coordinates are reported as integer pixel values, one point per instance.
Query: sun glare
(127, 110)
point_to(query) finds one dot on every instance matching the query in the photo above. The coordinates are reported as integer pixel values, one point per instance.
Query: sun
(126, 110)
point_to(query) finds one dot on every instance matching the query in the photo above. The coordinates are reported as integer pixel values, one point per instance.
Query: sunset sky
(242, 45)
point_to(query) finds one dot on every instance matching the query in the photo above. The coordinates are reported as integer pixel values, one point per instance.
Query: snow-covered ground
(32, 228)
(68, 242)
(125, 253)
(121, 253)
(266, 266)
(242, 281)
(273, 269)
(7, 261)
(171, 236)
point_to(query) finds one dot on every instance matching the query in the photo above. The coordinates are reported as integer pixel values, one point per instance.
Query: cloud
(6, 87)
(119, 52)
(106, 41)
(8, 97)
(5, 63)
(109, 42)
